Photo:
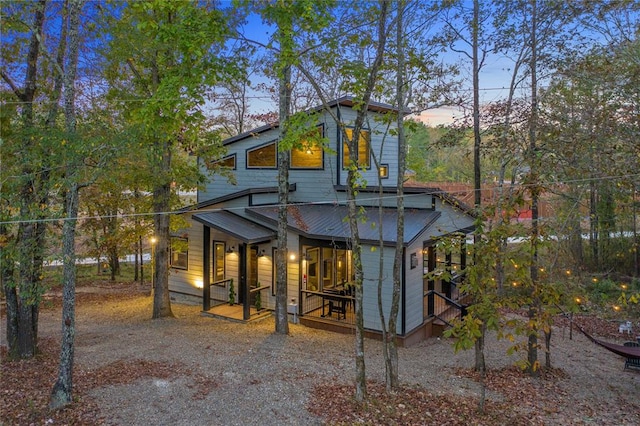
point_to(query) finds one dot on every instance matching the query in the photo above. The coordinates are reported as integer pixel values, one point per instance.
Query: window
(179, 253)
(218, 261)
(274, 253)
(227, 163)
(384, 171)
(363, 155)
(310, 155)
(327, 268)
(263, 157)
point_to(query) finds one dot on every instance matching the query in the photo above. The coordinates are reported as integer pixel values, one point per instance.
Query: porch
(235, 313)
(247, 308)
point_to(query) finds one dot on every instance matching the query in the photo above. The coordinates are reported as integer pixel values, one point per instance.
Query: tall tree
(390, 348)
(365, 75)
(22, 255)
(544, 32)
(163, 56)
(297, 24)
(61, 393)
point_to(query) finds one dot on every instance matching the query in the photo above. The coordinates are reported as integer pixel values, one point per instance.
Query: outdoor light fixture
(292, 256)
(231, 249)
(261, 253)
(307, 256)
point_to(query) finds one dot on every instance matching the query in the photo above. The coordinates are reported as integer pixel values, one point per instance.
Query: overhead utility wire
(215, 98)
(311, 203)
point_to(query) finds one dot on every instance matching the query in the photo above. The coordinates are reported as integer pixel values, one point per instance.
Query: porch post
(431, 261)
(206, 273)
(244, 288)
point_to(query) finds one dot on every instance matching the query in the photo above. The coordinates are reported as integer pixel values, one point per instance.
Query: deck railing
(220, 291)
(328, 305)
(253, 297)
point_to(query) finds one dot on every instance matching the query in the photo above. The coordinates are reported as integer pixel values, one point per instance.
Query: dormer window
(262, 157)
(363, 155)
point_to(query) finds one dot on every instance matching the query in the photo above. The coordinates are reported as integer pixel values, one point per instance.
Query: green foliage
(162, 57)
(300, 133)
(232, 292)
(602, 291)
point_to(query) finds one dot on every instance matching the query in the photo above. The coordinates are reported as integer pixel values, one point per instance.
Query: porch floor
(234, 313)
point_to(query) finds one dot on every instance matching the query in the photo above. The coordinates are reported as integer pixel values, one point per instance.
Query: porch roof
(329, 222)
(245, 230)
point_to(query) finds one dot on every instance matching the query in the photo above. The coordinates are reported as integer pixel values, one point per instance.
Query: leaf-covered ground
(512, 397)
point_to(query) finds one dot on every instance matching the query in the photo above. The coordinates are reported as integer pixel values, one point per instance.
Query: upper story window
(179, 253)
(363, 156)
(310, 155)
(263, 157)
(227, 163)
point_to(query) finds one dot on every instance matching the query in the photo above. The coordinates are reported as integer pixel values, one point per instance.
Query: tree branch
(19, 94)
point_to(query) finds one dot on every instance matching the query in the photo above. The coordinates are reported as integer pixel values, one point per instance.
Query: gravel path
(239, 374)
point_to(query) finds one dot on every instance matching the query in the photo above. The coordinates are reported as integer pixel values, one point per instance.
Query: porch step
(235, 315)
(437, 328)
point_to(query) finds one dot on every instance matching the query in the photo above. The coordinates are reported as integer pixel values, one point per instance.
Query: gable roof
(347, 101)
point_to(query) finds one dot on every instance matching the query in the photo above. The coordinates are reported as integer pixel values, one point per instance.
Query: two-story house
(227, 254)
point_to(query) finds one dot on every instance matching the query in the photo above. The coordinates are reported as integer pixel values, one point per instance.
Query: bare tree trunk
(10, 293)
(282, 322)
(547, 346)
(61, 394)
(23, 296)
(477, 183)
(391, 348)
(361, 377)
(161, 205)
(481, 366)
(534, 310)
(137, 258)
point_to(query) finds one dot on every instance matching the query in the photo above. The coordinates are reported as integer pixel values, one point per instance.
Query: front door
(251, 262)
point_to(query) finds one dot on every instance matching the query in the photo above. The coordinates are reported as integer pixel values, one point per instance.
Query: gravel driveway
(239, 374)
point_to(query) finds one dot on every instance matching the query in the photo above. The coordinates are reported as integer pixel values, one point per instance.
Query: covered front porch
(231, 261)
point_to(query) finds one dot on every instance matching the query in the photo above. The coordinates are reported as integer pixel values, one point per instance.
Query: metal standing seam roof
(329, 222)
(243, 229)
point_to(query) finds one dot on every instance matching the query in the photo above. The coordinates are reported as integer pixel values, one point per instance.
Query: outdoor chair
(632, 362)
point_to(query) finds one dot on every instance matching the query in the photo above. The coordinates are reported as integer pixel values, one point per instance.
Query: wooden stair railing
(443, 308)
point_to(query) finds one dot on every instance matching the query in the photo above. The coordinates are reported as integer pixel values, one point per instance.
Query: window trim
(255, 148)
